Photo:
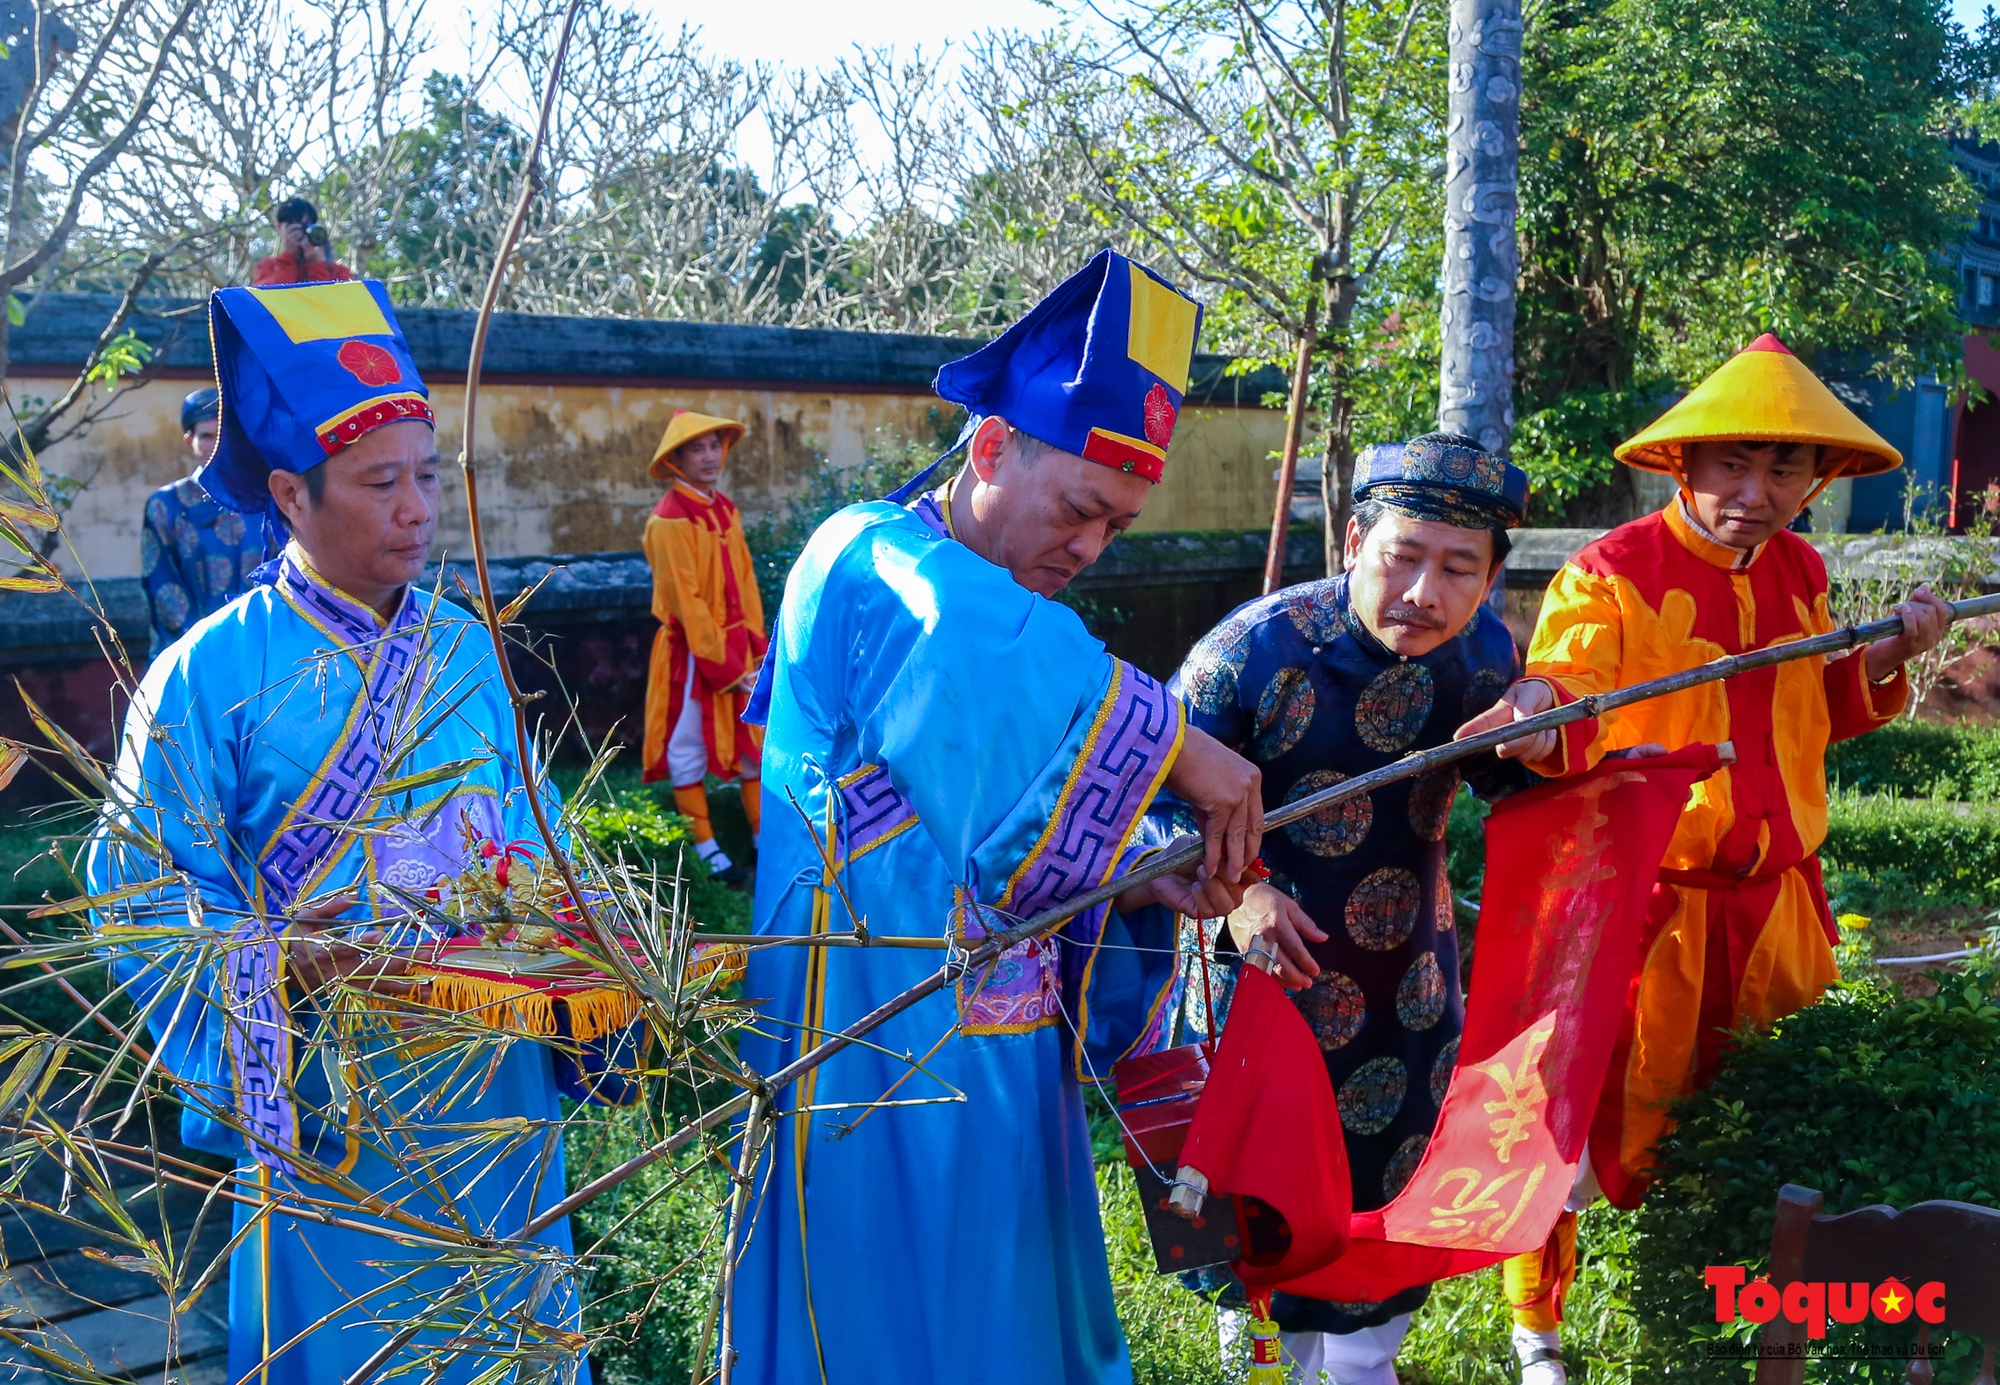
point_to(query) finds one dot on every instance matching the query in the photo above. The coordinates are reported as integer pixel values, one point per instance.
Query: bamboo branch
(1166, 863)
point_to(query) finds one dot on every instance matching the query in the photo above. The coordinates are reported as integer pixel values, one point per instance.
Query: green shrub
(635, 824)
(1867, 1097)
(1911, 850)
(1915, 759)
(649, 1292)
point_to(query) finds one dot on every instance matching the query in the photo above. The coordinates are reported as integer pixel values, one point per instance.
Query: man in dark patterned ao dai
(1316, 684)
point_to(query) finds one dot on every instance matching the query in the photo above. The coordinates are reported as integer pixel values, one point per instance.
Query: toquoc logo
(1812, 1302)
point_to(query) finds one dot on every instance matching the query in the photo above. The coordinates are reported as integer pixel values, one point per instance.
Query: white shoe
(711, 852)
(1540, 1355)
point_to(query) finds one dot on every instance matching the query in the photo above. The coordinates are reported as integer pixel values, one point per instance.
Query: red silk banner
(1570, 867)
(1267, 1129)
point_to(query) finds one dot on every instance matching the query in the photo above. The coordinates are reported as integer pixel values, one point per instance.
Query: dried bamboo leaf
(99, 901)
(34, 516)
(44, 581)
(513, 608)
(453, 769)
(13, 758)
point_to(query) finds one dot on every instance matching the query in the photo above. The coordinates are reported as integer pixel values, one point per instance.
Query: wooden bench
(1955, 1243)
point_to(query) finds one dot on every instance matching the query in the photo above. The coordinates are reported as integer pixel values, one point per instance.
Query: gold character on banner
(1522, 1094)
(1480, 1218)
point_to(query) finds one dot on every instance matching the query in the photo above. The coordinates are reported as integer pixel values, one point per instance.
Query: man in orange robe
(711, 637)
(1739, 930)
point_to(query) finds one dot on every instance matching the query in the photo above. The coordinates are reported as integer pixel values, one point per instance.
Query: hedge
(1881, 852)
(1915, 759)
(1865, 1096)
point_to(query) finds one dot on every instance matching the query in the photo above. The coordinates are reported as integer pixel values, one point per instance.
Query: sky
(811, 33)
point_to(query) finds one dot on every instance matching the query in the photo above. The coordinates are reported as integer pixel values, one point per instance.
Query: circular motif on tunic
(1383, 909)
(1334, 1006)
(1315, 612)
(172, 601)
(149, 551)
(1441, 1069)
(1372, 1095)
(187, 539)
(229, 528)
(1430, 802)
(1214, 666)
(1482, 691)
(1420, 999)
(1402, 1165)
(1331, 831)
(1394, 707)
(1283, 714)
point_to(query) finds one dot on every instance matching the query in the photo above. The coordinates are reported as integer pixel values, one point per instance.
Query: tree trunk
(1481, 258)
(1336, 472)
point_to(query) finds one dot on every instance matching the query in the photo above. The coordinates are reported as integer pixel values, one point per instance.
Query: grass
(1459, 1338)
(1888, 816)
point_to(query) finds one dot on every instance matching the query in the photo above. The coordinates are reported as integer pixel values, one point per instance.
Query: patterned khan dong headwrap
(1445, 478)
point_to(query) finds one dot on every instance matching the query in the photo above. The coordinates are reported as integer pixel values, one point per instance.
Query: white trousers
(1367, 1357)
(687, 751)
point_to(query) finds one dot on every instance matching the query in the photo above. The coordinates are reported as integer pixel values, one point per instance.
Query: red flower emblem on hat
(1160, 415)
(368, 363)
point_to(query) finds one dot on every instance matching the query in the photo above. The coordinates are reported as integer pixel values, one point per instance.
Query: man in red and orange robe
(1739, 930)
(711, 638)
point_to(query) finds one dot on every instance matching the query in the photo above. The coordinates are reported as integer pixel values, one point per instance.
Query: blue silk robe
(946, 736)
(273, 713)
(1295, 682)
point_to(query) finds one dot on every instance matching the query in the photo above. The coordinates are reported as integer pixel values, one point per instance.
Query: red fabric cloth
(1570, 870)
(273, 270)
(1267, 1129)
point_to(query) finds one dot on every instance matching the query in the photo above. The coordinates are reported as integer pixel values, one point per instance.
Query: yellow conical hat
(685, 426)
(1763, 391)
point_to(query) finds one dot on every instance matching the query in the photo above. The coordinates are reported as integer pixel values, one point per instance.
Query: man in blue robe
(258, 755)
(948, 750)
(1324, 681)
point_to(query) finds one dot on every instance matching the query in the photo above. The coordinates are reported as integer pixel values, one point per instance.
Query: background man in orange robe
(1739, 930)
(711, 637)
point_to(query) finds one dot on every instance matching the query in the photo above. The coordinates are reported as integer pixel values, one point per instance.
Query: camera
(316, 235)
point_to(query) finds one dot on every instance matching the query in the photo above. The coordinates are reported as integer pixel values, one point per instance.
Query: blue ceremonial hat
(1444, 477)
(304, 371)
(1098, 368)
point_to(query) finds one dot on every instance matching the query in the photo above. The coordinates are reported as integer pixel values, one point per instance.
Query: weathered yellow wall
(563, 467)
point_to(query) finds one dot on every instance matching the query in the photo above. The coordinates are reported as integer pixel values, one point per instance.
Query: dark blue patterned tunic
(195, 557)
(1295, 682)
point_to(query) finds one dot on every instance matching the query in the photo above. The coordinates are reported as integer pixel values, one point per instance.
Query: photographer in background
(303, 254)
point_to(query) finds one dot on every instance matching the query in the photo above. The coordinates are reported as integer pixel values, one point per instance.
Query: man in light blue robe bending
(948, 751)
(261, 753)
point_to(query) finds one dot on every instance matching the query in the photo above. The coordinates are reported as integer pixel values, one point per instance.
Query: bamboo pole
(1288, 469)
(1418, 762)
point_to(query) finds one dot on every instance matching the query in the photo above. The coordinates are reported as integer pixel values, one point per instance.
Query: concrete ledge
(1539, 553)
(597, 588)
(61, 328)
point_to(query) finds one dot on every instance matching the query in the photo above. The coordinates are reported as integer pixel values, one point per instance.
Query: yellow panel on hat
(326, 312)
(1162, 333)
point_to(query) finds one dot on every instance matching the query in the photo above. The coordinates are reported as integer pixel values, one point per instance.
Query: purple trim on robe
(927, 508)
(260, 1045)
(1122, 767)
(874, 811)
(260, 1034)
